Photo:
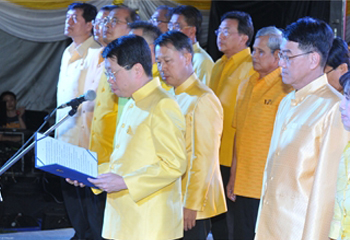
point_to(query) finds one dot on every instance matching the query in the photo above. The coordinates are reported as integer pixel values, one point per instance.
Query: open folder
(64, 159)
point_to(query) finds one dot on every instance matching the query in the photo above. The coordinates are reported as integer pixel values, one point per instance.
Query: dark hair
(179, 40)
(338, 54)
(129, 50)
(311, 35)
(89, 11)
(7, 93)
(150, 32)
(245, 23)
(169, 11)
(344, 80)
(193, 17)
(108, 8)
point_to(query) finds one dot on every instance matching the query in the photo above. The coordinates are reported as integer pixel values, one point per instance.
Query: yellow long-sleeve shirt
(202, 186)
(226, 76)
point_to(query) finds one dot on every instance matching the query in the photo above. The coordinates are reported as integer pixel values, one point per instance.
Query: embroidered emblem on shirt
(268, 101)
(129, 131)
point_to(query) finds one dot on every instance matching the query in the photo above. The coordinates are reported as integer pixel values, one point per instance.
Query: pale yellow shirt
(299, 183)
(256, 109)
(340, 227)
(202, 63)
(79, 72)
(226, 76)
(202, 186)
(150, 154)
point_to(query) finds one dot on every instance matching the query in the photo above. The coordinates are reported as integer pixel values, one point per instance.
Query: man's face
(172, 64)
(10, 102)
(75, 24)
(264, 61)
(230, 42)
(344, 108)
(117, 25)
(296, 69)
(159, 20)
(120, 80)
(178, 22)
(98, 26)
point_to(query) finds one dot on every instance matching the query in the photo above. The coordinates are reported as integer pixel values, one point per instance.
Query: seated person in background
(337, 63)
(340, 226)
(14, 117)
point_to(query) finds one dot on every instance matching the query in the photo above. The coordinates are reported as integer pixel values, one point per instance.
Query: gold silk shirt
(104, 121)
(202, 63)
(150, 154)
(226, 76)
(256, 109)
(299, 183)
(202, 187)
(79, 72)
(340, 226)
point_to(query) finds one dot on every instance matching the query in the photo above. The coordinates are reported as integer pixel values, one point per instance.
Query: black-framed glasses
(176, 26)
(224, 31)
(113, 21)
(287, 58)
(156, 20)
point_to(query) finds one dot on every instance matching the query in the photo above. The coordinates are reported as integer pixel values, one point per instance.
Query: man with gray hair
(257, 103)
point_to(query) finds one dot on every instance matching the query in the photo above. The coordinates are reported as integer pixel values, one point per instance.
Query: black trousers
(198, 232)
(85, 210)
(245, 213)
(222, 225)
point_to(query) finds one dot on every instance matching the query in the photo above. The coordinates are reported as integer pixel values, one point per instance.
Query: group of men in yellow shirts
(172, 129)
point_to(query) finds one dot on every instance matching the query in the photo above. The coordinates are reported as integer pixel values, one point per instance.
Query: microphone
(90, 95)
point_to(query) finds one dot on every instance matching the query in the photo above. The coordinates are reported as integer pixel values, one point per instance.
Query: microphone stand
(13, 160)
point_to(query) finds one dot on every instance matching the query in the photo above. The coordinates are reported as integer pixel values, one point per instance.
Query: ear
(315, 60)
(275, 55)
(188, 58)
(89, 26)
(138, 70)
(343, 68)
(244, 39)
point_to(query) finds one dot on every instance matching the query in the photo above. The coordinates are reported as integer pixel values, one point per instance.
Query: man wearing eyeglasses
(257, 103)
(98, 24)
(299, 182)
(161, 17)
(188, 20)
(74, 80)
(233, 38)
(143, 176)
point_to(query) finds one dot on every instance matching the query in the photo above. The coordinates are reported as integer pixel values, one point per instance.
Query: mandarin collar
(185, 85)
(146, 89)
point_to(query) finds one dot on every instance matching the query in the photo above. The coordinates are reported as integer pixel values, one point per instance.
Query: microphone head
(90, 95)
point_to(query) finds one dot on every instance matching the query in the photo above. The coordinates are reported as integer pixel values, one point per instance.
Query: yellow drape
(200, 4)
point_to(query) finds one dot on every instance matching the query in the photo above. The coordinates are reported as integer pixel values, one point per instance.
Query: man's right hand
(230, 189)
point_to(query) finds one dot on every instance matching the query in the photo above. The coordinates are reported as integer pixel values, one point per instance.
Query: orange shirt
(226, 76)
(256, 108)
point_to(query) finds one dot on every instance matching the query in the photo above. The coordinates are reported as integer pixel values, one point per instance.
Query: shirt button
(98, 104)
(131, 106)
(103, 89)
(116, 147)
(277, 153)
(271, 178)
(123, 125)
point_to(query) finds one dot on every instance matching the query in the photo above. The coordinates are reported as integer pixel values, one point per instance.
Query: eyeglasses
(73, 16)
(114, 21)
(330, 71)
(176, 26)
(156, 20)
(224, 31)
(287, 58)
